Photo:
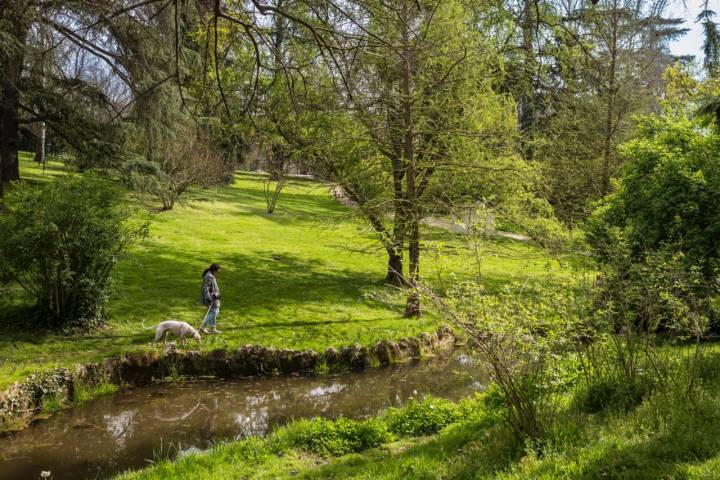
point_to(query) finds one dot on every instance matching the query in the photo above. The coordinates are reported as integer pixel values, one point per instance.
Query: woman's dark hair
(212, 268)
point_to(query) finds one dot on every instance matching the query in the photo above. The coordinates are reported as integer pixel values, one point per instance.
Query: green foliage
(85, 394)
(422, 417)
(657, 237)
(139, 167)
(597, 75)
(609, 393)
(60, 242)
(52, 404)
(339, 437)
(525, 342)
(669, 193)
(429, 131)
(660, 291)
(711, 45)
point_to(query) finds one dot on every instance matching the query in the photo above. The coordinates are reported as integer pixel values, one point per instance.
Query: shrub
(422, 418)
(639, 302)
(668, 193)
(60, 243)
(610, 393)
(524, 342)
(656, 239)
(658, 236)
(660, 290)
(339, 437)
(189, 161)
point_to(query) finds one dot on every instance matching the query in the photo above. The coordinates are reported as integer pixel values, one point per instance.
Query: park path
(459, 227)
(446, 224)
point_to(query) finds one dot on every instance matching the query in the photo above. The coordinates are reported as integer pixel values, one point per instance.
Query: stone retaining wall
(21, 402)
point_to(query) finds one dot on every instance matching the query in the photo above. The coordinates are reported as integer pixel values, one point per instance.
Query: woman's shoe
(202, 330)
(214, 330)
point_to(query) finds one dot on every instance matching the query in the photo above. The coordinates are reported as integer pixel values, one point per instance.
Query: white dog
(176, 327)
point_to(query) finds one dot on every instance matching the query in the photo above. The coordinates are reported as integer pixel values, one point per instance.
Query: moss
(85, 394)
(52, 404)
(322, 368)
(373, 362)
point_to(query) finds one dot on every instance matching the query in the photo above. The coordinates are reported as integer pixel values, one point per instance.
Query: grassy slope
(308, 276)
(665, 437)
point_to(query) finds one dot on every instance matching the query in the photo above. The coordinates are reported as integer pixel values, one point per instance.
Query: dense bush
(657, 238)
(422, 417)
(668, 194)
(60, 242)
(339, 437)
(662, 290)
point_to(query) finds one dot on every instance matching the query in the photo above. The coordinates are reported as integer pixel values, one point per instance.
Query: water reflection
(120, 426)
(254, 424)
(319, 391)
(124, 431)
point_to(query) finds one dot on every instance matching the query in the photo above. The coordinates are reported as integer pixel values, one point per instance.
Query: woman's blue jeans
(211, 317)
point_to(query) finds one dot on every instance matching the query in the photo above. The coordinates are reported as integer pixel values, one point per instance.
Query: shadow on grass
(17, 327)
(160, 279)
(688, 438)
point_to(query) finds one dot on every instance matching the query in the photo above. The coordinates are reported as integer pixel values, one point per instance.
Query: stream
(132, 428)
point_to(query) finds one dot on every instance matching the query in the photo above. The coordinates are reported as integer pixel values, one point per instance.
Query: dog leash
(206, 314)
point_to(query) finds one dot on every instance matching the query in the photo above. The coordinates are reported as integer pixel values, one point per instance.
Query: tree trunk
(412, 308)
(11, 65)
(395, 269)
(610, 114)
(40, 143)
(411, 207)
(395, 274)
(9, 133)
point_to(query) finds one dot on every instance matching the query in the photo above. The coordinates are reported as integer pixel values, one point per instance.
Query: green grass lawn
(308, 276)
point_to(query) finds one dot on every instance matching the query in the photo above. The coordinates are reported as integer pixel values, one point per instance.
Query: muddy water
(123, 431)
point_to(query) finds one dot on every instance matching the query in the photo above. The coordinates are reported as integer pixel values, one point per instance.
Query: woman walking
(210, 297)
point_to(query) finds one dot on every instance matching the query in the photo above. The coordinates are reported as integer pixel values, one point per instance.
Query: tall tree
(55, 57)
(418, 105)
(711, 44)
(15, 19)
(607, 65)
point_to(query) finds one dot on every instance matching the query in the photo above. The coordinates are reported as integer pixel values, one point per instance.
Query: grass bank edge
(56, 389)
